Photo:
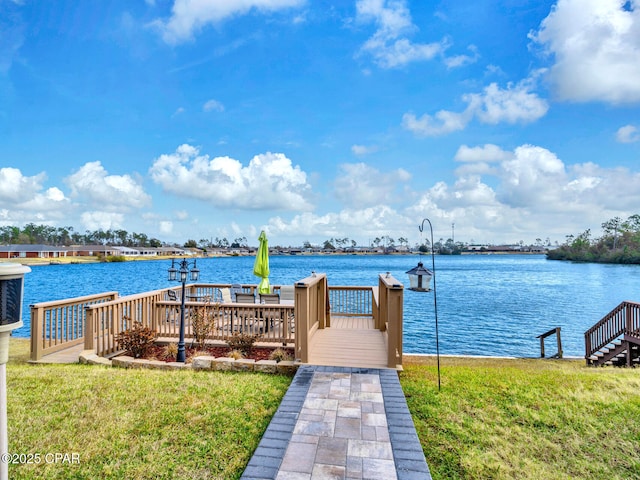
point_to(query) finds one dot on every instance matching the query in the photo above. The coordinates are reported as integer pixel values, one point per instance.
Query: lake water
(487, 304)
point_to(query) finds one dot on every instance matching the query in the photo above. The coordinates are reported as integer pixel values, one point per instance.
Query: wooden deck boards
(349, 342)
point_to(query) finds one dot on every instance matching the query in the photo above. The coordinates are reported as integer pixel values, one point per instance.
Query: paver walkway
(340, 423)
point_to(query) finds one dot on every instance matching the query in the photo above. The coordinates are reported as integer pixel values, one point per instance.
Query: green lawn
(493, 419)
(135, 424)
(525, 419)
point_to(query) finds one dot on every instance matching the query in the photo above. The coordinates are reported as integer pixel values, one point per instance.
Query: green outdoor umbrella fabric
(261, 265)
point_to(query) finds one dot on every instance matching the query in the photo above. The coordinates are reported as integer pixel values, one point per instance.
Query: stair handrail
(622, 320)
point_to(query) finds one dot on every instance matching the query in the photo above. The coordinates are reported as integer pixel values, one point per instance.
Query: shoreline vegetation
(494, 418)
(117, 258)
(619, 244)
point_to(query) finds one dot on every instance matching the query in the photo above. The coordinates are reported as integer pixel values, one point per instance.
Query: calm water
(487, 304)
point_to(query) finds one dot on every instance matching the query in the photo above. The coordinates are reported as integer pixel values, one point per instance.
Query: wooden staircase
(615, 340)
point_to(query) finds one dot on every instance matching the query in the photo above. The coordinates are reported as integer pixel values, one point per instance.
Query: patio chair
(271, 298)
(287, 292)
(242, 297)
(224, 295)
(235, 289)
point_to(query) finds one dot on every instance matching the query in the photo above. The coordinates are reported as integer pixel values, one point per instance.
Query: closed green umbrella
(261, 265)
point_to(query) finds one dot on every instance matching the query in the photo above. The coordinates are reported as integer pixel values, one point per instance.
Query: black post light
(193, 274)
(419, 278)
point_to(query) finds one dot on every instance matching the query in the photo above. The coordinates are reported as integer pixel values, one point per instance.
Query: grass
(493, 419)
(525, 419)
(135, 424)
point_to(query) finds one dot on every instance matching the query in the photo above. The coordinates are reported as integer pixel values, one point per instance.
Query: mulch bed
(257, 353)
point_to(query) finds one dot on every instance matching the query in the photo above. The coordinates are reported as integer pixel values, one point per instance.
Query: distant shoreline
(94, 259)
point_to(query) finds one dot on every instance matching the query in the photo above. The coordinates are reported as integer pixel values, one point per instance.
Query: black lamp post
(193, 275)
(419, 278)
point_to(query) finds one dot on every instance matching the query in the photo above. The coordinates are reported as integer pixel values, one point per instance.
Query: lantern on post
(419, 278)
(184, 272)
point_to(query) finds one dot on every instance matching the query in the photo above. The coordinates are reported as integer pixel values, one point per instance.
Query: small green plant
(243, 342)
(280, 355)
(203, 321)
(116, 258)
(236, 354)
(137, 340)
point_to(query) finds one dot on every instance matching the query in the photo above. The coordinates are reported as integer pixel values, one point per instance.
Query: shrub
(243, 342)
(279, 355)
(203, 321)
(236, 354)
(137, 340)
(170, 350)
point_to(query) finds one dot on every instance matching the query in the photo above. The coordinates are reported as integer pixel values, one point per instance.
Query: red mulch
(257, 353)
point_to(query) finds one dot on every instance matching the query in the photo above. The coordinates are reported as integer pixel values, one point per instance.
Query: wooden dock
(349, 342)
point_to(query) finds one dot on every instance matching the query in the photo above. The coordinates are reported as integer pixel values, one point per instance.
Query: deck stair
(615, 340)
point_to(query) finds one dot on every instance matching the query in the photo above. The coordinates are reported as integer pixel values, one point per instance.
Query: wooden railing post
(559, 341)
(37, 332)
(301, 314)
(391, 308)
(89, 329)
(382, 316)
(322, 304)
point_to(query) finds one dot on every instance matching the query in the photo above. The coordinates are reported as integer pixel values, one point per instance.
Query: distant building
(32, 251)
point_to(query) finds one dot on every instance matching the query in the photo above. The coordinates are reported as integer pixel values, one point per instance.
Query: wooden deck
(67, 355)
(349, 342)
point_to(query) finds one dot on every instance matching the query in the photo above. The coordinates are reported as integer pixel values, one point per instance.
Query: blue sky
(512, 119)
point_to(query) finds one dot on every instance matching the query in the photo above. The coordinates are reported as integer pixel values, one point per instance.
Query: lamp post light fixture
(419, 278)
(181, 275)
(11, 292)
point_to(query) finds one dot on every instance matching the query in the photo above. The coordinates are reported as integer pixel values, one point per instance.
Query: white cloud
(457, 61)
(166, 227)
(486, 153)
(368, 223)
(596, 49)
(269, 181)
(24, 198)
(533, 177)
(534, 195)
(16, 188)
(97, 220)
(389, 46)
(513, 104)
(111, 192)
(628, 134)
(213, 106)
(442, 123)
(363, 149)
(188, 17)
(360, 185)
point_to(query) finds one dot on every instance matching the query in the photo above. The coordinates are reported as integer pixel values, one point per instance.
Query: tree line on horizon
(68, 235)
(619, 243)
